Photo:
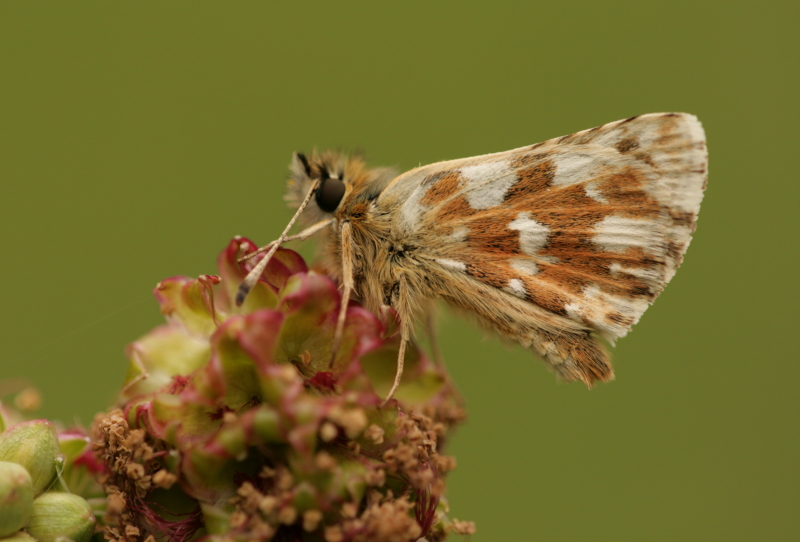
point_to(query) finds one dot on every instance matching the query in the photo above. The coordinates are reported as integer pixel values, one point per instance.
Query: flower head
(244, 421)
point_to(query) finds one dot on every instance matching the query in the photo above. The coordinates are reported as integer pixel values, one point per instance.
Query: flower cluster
(45, 480)
(242, 423)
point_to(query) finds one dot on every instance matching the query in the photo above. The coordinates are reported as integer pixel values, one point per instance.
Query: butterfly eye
(330, 194)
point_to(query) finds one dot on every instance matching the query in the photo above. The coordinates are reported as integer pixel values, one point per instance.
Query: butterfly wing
(589, 227)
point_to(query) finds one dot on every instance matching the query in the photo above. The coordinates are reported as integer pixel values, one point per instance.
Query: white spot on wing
(455, 265)
(644, 273)
(532, 235)
(573, 168)
(516, 287)
(617, 234)
(594, 304)
(411, 211)
(575, 311)
(526, 267)
(594, 192)
(459, 234)
(486, 184)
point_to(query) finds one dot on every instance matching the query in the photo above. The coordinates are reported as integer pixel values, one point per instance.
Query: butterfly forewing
(589, 227)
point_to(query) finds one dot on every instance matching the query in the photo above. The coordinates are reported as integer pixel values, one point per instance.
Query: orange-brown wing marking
(591, 225)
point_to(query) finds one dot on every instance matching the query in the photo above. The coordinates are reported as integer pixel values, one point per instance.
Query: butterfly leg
(434, 339)
(348, 254)
(400, 301)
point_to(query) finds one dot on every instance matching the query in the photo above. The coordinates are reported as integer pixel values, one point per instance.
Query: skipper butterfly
(552, 245)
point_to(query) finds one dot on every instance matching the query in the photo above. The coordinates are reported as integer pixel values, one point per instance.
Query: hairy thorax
(379, 254)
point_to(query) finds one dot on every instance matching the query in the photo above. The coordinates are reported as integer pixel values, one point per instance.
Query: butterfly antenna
(252, 277)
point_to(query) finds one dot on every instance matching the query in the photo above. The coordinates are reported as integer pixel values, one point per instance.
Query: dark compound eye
(330, 194)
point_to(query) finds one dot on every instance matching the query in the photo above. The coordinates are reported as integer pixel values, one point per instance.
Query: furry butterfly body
(550, 245)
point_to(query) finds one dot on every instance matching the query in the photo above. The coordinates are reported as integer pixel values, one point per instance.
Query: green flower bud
(20, 536)
(216, 521)
(34, 445)
(56, 515)
(267, 423)
(16, 498)
(305, 497)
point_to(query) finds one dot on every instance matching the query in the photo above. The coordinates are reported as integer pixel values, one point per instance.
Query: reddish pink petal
(284, 264)
(259, 336)
(311, 295)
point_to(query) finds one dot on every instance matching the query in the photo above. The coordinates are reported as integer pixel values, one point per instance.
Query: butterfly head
(329, 169)
(343, 179)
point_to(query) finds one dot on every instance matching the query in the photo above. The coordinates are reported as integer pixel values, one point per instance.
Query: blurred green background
(136, 138)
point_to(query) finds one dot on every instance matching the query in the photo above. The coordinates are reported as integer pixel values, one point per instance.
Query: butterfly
(552, 246)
